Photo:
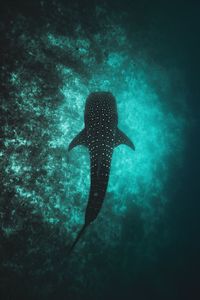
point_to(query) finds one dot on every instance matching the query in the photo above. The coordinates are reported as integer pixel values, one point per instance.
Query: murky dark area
(145, 242)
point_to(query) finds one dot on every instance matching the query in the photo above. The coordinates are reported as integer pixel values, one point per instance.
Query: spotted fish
(100, 135)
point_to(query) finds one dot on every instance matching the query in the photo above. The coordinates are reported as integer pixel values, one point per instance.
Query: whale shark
(100, 135)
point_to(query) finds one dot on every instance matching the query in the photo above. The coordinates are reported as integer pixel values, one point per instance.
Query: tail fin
(77, 239)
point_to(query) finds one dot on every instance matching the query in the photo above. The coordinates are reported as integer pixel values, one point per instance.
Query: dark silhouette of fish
(100, 135)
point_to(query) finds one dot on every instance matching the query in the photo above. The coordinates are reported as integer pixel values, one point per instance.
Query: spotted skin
(100, 135)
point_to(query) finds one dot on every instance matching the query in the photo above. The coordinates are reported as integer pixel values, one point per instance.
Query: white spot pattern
(101, 125)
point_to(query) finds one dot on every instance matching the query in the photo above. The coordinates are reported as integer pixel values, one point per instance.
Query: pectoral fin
(80, 139)
(121, 138)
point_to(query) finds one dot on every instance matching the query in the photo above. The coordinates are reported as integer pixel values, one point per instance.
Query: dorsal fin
(121, 138)
(80, 139)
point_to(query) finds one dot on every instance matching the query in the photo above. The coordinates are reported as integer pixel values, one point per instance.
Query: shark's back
(100, 135)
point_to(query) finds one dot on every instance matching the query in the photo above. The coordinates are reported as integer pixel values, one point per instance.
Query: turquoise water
(51, 65)
(140, 88)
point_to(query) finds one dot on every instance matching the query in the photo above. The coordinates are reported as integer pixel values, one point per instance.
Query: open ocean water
(145, 243)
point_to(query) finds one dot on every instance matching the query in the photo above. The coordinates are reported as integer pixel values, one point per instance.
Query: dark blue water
(145, 242)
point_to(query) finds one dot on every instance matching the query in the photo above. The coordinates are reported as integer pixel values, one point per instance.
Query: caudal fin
(77, 238)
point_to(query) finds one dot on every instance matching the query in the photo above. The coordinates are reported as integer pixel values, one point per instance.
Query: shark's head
(99, 103)
(101, 135)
